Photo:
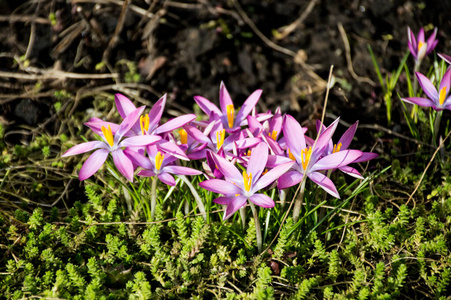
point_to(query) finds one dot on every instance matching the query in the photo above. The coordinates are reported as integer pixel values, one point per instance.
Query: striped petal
(123, 164)
(325, 183)
(262, 200)
(93, 164)
(220, 187)
(84, 147)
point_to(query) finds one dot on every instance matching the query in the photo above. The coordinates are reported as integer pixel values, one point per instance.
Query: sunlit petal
(93, 164)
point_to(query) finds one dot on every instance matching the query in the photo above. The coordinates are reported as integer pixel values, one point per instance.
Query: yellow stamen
(291, 156)
(273, 134)
(249, 152)
(305, 157)
(442, 95)
(247, 181)
(420, 44)
(220, 134)
(144, 122)
(336, 148)
(230, 115)
(183, 136)
(108, 134)
(159, 160)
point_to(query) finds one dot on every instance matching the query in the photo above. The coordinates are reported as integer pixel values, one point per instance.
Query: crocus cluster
(243, 152)
(438, 99)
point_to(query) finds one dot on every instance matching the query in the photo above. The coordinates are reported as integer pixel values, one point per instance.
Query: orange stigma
(159, 160)
(336, 148)
(183, 136)
(220, 134)
(144, 123)
(442, 96)
(230, 115)
(108, 134)
(305, 157)
(247, 181)
(273, 134)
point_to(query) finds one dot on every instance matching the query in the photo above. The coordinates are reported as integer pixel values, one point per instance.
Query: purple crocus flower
(149, 124)
(162, 165)
(112, 143)
(418, 46)
(231, 122)
(438, 100)
(311, 161)
(343, 144)
(239, 187)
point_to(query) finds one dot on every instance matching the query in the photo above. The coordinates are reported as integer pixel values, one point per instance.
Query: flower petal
(139, 159)
(325, 136)
(166, 178)
(124, 105)
(220, 186)
(197, 135)
(172, 149)
(93, 164)
(347, 137)
(234, 205)
(427, 86)
(351, 171)
(445, 57)
(84, 147)
(419, 101)
(262, 200)
(244, 143)
(95, 124)
(174, 123)
(275, 160)
(257, 161)
(229, 171)
(140, 141)
(325, 183)
(336, 160)
(224, 99)
(156, 112)
(432, 42)
(446, 81)
(223, 200)
(123, 164)
(271, 176)
(207, 106)
(146, 173)
(247, 106)
(289, 179)
(128, 123)
(366, 156)
(294, 136)
(179, 170)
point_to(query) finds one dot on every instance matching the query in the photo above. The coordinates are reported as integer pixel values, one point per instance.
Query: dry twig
(293, 26)
(349, 59)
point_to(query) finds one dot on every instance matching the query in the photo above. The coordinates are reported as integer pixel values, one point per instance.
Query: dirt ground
(89, 48)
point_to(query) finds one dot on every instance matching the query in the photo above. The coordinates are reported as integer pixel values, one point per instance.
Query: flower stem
(153, 199)
(196, 196)
(414, 114)
(257, 228)
(243, 217)
(438, 117)
(298, 203)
